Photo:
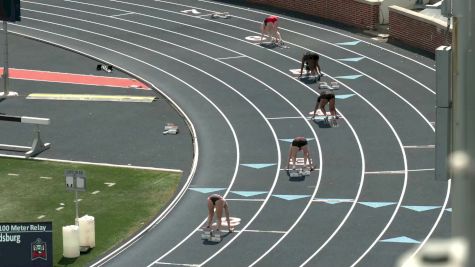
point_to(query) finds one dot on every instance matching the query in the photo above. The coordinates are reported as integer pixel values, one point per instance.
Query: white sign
(75, 180)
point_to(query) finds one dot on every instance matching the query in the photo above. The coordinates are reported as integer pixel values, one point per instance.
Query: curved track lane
(375, 171)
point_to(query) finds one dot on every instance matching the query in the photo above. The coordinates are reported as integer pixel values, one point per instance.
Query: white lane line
(400, 171)
(241, 56)
(283, 118)
(188, 181)
(265, 231)
(245, 199)
(318, 27)
(118, 15)
(175, 264)
(421, 146)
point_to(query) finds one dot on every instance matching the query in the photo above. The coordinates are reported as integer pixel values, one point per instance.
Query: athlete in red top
(270, 27)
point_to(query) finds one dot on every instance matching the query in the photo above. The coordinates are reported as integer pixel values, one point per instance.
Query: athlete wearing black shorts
(310, 61)
(324, 98)
(218, 203)
(214, 198)
(299, 142)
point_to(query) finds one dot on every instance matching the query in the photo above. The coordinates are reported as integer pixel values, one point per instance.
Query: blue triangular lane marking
(292, 139)
(291, 197)
(258, 165)
(206, 189)
(401, 239)
(377, 204)
(349, 43)
(249, 193)
(353, 59)
(421, 208)
(333, 200)
(349, 77)
(344, 96)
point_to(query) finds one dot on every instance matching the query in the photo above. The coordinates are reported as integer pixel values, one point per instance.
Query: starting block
(331, 121)
(210, 235)
(299, 172)
(171, 128)
(331, 86)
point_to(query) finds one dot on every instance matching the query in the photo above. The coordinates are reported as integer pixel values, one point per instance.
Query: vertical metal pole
(463, 124)
(5, 59)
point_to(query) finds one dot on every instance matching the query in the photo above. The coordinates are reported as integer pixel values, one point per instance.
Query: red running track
(60, 77)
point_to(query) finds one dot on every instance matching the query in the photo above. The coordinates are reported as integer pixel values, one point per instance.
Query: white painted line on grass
(95, 192)
(60, 208)
(110, 184)
(13, 174)
(41, 216)
(46, 177)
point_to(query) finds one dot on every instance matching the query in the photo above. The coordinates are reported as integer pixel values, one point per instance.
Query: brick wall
(358, 13)
(417, 30)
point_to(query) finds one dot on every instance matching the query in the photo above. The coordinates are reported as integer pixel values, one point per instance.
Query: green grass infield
(122, 200)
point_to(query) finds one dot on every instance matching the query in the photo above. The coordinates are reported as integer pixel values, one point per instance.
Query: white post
(463, 124)
(5, 60)
(77, 207)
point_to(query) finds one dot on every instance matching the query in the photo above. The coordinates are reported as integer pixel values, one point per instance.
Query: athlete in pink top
(270, 27)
